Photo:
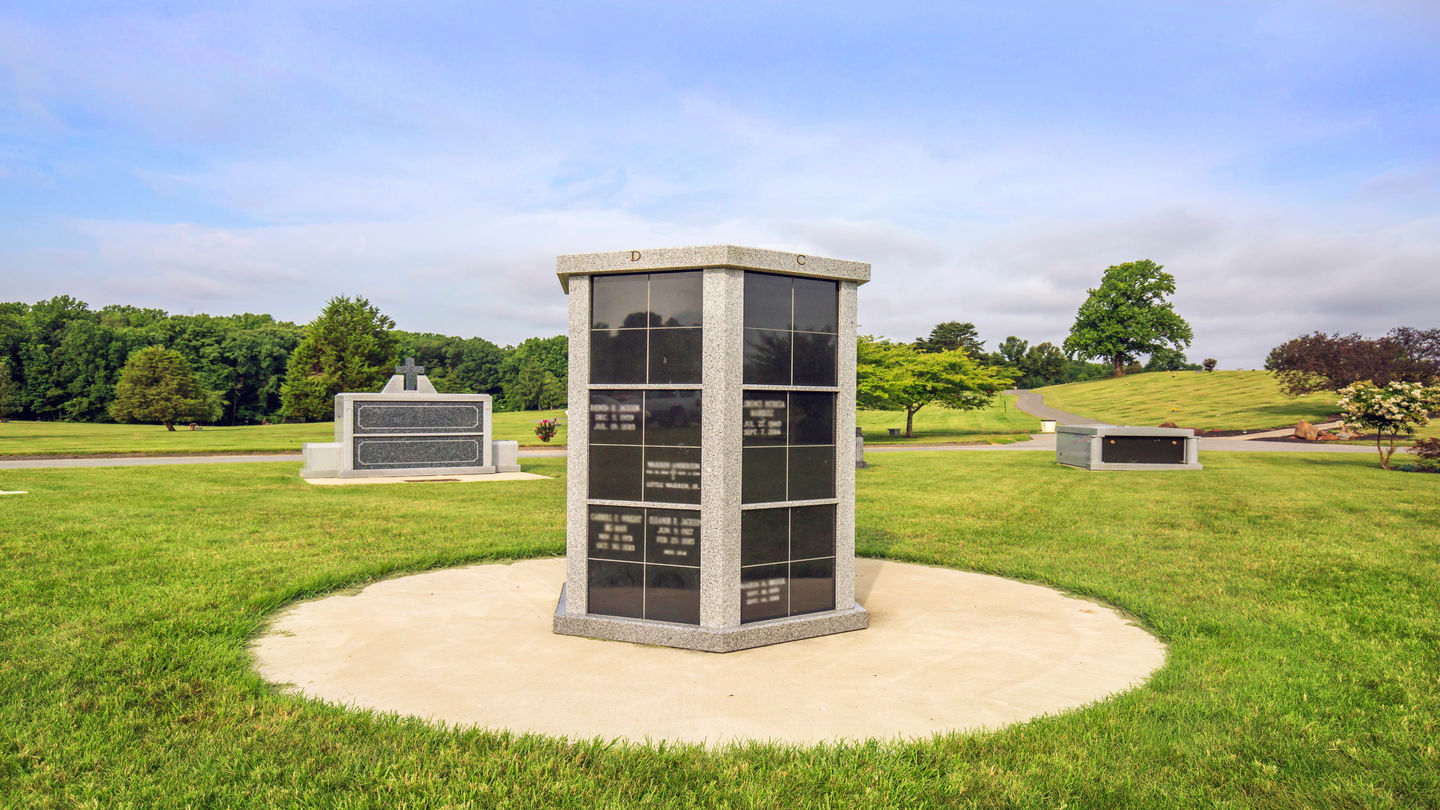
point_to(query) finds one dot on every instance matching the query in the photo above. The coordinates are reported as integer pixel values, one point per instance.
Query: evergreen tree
(157, 385)
(350, 347)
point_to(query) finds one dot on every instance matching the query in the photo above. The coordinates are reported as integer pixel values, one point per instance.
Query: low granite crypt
(409, 429)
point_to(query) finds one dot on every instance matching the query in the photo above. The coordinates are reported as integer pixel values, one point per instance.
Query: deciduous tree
(1321, 362)
(157, 386)
(896, 376)
(1127, 316)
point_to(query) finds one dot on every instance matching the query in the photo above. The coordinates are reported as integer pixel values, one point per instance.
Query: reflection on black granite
(812, 473)
(672, 536)
(675, 298)
(812, 418)
(615, 473)
(764, 536)
(812, 586)
(764, 420)
(812, 532)
(767, 357)
(762, 474)
(672, 594)
(616, 588)
(616, 417)
(767, 301)
(814, 359)
(673, 417)
(672, 474)
(816, 305)
(617, 356)
(764, 592)
(617, 533)
(618, 301)
(675, 355)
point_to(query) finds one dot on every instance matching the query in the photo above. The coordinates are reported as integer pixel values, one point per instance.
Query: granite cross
(410, 370)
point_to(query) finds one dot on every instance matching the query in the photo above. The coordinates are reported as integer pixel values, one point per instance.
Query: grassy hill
(1219, 400)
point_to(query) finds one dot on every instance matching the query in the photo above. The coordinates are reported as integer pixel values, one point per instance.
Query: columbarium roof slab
(699, 257)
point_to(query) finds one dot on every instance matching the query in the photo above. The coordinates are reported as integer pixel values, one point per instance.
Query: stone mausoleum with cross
(408, 429)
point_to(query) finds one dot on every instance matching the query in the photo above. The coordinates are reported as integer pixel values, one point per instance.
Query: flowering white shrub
(1399, 407)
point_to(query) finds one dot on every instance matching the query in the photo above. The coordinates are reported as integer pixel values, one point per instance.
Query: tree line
(60, 360)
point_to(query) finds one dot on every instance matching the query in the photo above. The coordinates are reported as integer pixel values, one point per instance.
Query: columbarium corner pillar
(711, 482)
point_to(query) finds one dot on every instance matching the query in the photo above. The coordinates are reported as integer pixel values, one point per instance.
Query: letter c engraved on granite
(634, 255)
(800, 259)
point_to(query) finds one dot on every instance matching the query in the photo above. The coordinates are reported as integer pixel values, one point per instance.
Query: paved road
(1034, 404)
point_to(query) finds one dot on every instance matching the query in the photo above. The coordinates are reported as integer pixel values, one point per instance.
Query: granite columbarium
(409, 429)
(711, 483)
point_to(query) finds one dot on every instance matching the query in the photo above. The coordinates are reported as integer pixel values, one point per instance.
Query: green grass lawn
(1297, 594)
(1219, 400)
(997, 423)
(79, 438)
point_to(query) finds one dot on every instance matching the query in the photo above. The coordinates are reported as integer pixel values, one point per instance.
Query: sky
(990, 160)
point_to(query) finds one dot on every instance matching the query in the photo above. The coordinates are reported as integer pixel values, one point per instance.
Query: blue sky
(989, 159)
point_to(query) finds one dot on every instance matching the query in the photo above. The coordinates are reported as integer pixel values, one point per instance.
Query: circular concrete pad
(946, 650)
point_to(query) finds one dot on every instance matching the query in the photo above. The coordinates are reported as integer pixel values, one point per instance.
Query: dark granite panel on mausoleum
(762, 474)
(675, 356)
(673, 417)
(618, 356)
(616, 417)
(811, 473)
(617, 533)
(616, 473)
(764, 536)
(616, 588)
(398, 452)
(378, 416)
(812, 418)
(767, 301)
(812, 586)
(767, 357)
(815, 359)
(764, 418)
(1142, 450)
(812, 532)
(672, 536)
(675, 298)
(764, 592)
(817, 305)
(672, 474)
(619, 301)
(672, 594)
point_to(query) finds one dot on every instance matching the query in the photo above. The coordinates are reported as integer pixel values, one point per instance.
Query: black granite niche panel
(787, 559)
(675, 355)
(617, 533)
(645, 328)
(380, 416)
(616, 472)
(790, 330)
(788, 446)
(644, 563)
(672, 474)
(672, 418)
(616, 589)
(616, 417)
(1142, 449)
(409, 452)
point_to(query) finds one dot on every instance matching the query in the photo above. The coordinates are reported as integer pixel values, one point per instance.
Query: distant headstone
(410, 429)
